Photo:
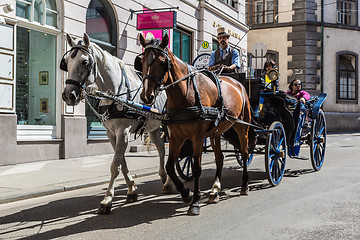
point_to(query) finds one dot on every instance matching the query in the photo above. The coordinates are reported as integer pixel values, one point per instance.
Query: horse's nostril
(72, 96)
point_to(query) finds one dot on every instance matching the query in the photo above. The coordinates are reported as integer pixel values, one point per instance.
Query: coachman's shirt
(228, 57)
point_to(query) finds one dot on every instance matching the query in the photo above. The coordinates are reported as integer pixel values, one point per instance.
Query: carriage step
(299, 157)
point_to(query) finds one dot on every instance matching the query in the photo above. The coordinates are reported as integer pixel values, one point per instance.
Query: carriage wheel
(240, 161)
(318, 141)
(184, 167)
(275, 153)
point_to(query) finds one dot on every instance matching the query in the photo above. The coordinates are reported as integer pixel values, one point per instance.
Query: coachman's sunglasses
(297, 84)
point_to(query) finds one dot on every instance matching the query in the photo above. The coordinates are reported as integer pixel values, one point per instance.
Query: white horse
(86, 64)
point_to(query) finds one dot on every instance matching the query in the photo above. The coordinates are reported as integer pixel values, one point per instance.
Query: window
(101, 25)
(40, 11)
(35, 77)
(256, 64)
(182, 45)
(347, 79)
(215, 44)
(231, 3)
(101, 28)
(346, 12)
(261, 11)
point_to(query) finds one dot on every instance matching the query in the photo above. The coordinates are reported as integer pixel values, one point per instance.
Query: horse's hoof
(104, 209)
(244, 191)
(194, 209)
(130, 198)
(188, 198)
(167, 189)
(213, 198)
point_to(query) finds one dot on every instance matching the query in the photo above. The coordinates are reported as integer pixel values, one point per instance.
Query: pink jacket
(301, 94)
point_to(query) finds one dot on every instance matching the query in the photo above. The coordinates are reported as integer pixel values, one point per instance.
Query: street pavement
(28, 180)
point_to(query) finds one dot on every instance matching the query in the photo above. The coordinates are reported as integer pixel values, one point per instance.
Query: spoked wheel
(240, 161)
(275, 153)
(318, 141)
(184, 167)
(185, 161)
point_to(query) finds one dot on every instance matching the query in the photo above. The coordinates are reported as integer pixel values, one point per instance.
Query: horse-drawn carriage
(198, 105)
(284, 125)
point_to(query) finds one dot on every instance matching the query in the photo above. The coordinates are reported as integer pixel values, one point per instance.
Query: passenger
(295, 90)
(225, 56)
(269, 65)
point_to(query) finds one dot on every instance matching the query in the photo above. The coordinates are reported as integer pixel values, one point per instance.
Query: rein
(190, 74)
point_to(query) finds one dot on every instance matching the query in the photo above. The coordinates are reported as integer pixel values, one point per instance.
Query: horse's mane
(104, 56)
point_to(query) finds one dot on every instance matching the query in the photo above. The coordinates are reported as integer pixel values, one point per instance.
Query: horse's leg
(122, 139)
(174, 149)
(219, 159)
(106, 203)
(242, 132)
(160, 146)
(194, 208)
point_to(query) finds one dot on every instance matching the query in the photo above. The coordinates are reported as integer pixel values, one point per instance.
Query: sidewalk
(47, 177)
(41, 178)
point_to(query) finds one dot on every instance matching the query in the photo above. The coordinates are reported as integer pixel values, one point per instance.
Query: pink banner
(156, 20)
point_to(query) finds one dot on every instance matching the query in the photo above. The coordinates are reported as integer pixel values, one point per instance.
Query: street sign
(201, 61)
(205, 47)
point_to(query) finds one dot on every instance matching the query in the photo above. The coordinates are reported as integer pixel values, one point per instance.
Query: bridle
(91, 65)
(151, 48)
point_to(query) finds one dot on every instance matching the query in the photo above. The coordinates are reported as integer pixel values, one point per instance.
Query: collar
(226, 50)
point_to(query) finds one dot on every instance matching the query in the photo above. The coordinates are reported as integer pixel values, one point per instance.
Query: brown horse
(162, 69)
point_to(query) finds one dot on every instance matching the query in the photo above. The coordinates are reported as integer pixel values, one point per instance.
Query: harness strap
(127, 83)
(197, 94)
(71, 81)
(232, 120)
(151, 77)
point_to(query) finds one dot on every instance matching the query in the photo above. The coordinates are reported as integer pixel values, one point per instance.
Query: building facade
(35, 123)
(316, 41)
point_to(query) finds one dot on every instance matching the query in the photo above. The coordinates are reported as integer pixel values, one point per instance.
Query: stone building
(316, 41)
(35, 124)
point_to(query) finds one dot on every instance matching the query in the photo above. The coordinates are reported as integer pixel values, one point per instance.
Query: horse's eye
(85, 62)
(162, 59)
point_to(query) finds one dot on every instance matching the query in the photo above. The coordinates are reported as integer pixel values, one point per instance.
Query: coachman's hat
(222, 31)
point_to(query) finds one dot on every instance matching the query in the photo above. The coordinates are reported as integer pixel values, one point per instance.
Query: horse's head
(80, 64)
(154, 63)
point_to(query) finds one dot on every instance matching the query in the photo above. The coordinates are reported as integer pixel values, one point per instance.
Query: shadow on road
(79, 215)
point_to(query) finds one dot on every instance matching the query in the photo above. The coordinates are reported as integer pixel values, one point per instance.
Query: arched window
(101, 25)
(101, 28)
(37, 11)
(347, 76)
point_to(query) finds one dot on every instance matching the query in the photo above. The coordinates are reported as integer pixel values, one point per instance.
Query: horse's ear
(86, 40)
(164, 41)
(142, 40)
(70, 40)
